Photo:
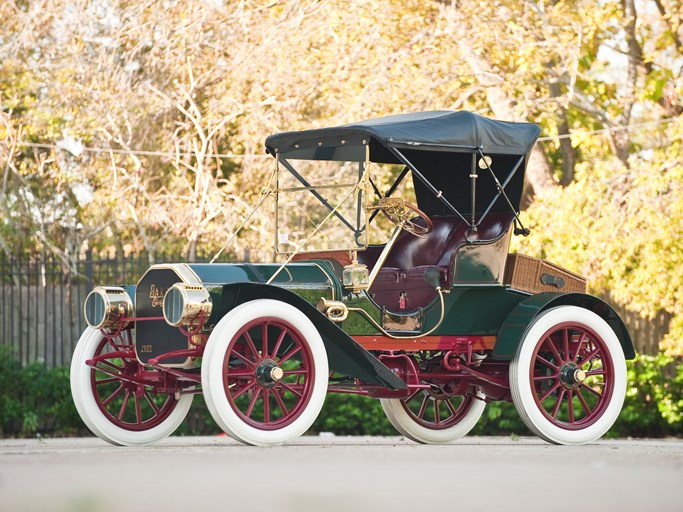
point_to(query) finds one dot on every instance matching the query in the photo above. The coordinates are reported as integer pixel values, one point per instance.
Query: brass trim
(316, 187)
(117, 306)
(335, 310)
(195, 302)
(276, 373)
(355, 277)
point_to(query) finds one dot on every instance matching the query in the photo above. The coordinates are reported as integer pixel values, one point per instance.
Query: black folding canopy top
(439, 128)
(445, 150)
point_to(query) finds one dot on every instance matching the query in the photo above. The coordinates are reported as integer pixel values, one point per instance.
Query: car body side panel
(475, 310)
(481, 263)
(468, 311)
(517, 322)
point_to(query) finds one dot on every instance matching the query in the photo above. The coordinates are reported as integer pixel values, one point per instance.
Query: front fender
(518, 320)
(344, 354)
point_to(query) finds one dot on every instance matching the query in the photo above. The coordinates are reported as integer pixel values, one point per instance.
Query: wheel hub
(268, 373)
(571, 376)
(132, 371)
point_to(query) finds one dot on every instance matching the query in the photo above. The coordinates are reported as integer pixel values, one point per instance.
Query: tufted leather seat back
(438, 246)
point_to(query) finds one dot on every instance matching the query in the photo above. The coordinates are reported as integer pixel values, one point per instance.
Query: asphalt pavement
(340, 474)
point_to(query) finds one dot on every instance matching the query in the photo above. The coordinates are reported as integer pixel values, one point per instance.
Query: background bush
(36, 401)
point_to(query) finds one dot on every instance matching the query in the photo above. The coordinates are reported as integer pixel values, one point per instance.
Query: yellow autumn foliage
(163, 87)
(622, 228)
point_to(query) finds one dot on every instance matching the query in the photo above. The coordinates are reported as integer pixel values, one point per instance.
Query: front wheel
(568, 377)
(117, 398)
(265, 373)
(432, 418)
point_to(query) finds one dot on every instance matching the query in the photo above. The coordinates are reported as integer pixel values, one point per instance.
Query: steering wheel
(401, 212)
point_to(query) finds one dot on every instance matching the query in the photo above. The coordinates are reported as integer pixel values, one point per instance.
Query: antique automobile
(392, 278)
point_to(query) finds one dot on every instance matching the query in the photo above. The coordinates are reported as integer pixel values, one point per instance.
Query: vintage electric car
(432, 317)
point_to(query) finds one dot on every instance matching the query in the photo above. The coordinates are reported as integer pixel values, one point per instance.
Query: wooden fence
(42, 323)
(645, 332)
(41, 314)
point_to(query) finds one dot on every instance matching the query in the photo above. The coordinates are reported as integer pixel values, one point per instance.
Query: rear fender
(518, 320)
(344, 354)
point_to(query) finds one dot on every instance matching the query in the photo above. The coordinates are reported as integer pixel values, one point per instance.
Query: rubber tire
(404, 423)
(90, 413)
(212, 372)
(522, 394)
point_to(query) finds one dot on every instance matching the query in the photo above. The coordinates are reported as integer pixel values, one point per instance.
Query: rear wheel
(438, 414)
(568, 377)
(432, 418)
(118, 399)
(265, 372)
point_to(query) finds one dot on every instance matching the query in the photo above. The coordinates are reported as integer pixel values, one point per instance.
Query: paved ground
(335, 474)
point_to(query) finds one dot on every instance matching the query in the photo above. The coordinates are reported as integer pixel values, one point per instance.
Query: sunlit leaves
(241, 70)
(621, 228)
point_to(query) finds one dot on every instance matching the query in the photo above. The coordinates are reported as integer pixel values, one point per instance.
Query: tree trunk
(539, 173)
(566, 148)
(621, 139)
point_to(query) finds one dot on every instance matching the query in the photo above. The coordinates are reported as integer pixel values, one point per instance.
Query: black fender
(518, 320)
(344, 354)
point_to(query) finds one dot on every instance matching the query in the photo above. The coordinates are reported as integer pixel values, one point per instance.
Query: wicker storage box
(535, 276)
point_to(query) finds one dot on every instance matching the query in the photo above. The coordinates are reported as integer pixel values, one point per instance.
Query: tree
(161, 92)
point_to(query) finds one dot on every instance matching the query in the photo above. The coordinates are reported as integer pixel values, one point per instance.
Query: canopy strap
(501, 191)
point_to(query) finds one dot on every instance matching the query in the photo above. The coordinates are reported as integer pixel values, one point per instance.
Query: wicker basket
(535, 276)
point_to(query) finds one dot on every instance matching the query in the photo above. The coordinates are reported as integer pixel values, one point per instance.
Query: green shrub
(500, 418)
(35, 400)
(352, 415)
(654, 399)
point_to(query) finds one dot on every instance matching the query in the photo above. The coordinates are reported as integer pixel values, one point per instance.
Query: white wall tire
(76, 362)
(265, 393)
(417, 417)
(135, 423)
(568, 376)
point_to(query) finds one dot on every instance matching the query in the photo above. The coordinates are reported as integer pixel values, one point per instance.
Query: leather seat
(400, 284)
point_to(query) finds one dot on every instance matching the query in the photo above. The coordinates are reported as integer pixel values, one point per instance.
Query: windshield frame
(356, 154)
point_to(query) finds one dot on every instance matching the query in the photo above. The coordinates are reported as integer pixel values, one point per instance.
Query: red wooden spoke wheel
(118, 399)
(126, 396)
(436, 411)
(568, 377)
(268, 373)
(573, 376)
(429, 415)
(265, 372)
